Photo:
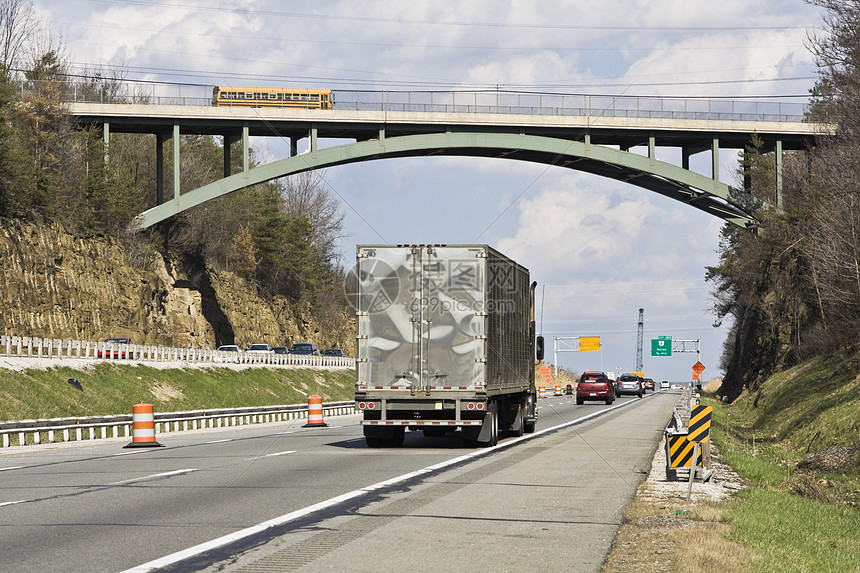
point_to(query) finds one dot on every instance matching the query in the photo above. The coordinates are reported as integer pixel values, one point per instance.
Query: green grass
(113, 389)
(790, 533)
(790, 521)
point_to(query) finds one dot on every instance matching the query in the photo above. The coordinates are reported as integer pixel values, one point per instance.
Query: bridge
(611, 136)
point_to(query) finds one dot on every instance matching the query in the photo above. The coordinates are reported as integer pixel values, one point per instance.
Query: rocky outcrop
(56, 285)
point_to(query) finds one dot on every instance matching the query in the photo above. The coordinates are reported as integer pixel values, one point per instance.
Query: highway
(101, 507)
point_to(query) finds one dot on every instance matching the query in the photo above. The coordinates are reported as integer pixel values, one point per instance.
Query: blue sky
(600, 249)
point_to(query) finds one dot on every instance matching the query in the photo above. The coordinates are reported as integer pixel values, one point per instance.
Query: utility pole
(639, 341)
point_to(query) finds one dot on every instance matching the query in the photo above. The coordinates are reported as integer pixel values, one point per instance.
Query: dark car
(649, 384)
(305, 348)
(334, 352)
(629, 384)
(116, 342)
(281, 350)
(594, 386)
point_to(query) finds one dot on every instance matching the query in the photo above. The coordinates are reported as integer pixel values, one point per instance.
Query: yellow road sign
(700, 423)
(589, 343)
(681, 451)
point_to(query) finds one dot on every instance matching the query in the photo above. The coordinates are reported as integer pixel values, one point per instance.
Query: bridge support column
(715, 159)
(229, 140)
(176, 163)
(106, 139)
(160, 138)
(777, 162)
(246, 149)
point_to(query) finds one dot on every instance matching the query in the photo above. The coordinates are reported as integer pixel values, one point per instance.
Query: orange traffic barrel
(558, 389)
(315, 415)
(143, 427)
(542, 392)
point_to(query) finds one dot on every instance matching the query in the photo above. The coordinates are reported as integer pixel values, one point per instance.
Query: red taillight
(371, 405)
(470, 406)
(480, 406)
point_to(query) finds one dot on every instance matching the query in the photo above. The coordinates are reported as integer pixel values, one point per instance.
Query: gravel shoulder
(663, 530)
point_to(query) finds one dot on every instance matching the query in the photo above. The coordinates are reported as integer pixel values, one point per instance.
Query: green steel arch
(702, 192)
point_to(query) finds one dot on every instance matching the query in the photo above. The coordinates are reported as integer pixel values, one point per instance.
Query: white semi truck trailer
(445, 343)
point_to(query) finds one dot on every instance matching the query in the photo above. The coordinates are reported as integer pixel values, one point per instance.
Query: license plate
(594, 394)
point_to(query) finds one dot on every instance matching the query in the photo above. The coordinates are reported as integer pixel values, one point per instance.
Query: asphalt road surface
(283, 497)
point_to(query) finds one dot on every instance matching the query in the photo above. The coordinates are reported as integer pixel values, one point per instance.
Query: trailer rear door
(422, 317)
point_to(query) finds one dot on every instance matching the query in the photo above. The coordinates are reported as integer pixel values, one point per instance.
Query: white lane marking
(254, 529)
(11, 468)
(12, 502)
(128, 453)
(271, 455)
(153, 476)
(220, 441)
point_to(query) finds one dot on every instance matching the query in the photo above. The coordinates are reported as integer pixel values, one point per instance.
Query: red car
(649, 384)
(595, 386)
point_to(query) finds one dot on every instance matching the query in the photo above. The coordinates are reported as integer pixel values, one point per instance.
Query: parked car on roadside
(594, 386)
(305, 348)
(334, 352)
(280, 350)
(229, 348)
(630, 384)
(117, 354)
(260, 348)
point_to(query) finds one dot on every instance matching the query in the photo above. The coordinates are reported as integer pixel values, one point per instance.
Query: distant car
(630, 384)
(229, 348)
(595, 386)
(664, 384)
(305, 348)
(649, 384)
(117, 354)
(260, 348)
(280, 350)
(334, 352)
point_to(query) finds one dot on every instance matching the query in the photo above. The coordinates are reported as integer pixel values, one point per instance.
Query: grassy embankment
(110, 388)
(783, 520)
(788, 520)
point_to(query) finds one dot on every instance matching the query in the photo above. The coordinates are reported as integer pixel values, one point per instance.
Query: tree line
(791, 288)
(281, 235)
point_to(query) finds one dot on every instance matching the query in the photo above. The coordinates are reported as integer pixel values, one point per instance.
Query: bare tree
(306, 194)
(17, 25)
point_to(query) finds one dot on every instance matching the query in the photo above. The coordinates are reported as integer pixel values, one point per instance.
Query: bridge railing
(460, 101)
(52, 430)
(64, 349)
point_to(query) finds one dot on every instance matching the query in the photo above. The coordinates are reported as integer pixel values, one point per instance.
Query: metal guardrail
(53, 430)
(466, 101)
(60, 349)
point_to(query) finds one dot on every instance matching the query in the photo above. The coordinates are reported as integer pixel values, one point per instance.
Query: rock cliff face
(55, 285)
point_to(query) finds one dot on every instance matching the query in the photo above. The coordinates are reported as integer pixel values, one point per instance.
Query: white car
(260, 348)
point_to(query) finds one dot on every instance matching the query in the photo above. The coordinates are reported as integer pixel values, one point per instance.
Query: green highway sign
(661, 346)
